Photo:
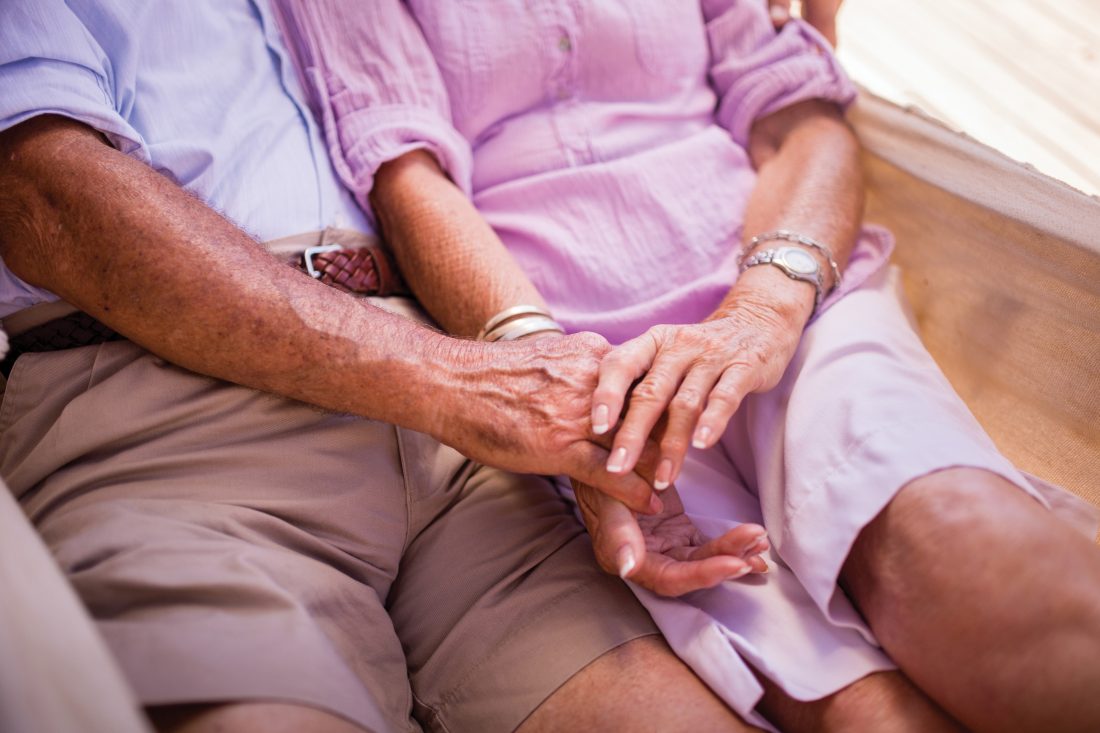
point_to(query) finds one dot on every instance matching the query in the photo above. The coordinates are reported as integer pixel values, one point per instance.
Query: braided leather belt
(361, 271)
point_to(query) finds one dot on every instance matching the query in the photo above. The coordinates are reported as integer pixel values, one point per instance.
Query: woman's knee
(886, 702)
(940, 514)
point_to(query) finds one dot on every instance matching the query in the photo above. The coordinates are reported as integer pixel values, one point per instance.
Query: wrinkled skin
(665, 552)
(698, 373)
(526, 409)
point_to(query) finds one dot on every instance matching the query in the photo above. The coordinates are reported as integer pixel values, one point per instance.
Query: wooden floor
(1020, 75)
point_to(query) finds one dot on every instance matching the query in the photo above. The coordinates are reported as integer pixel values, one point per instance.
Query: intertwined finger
(648, 401)
(588, 463)
(684, 411)
(618, 370)
(724, 399)
(616, 537)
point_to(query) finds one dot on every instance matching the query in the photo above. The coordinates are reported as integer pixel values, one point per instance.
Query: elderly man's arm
(131, 248)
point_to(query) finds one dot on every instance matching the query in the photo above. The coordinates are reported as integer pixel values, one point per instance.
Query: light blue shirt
(201, 90)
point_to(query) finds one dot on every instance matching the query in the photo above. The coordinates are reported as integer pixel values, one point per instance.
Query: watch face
(799, 260)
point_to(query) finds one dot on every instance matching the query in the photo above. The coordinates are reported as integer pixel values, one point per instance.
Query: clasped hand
(683, 384)
(680, 385)
(691, 377)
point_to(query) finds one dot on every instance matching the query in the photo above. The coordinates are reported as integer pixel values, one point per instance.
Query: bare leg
(267, 717)
(986, 601)
(885, 702)
(640, 686)
(637, 687)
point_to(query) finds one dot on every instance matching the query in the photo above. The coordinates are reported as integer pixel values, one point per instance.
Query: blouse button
(565, 45)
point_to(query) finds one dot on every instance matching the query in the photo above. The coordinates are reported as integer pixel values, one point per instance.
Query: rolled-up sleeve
(757, 71)
(374, 86)
(51, 64)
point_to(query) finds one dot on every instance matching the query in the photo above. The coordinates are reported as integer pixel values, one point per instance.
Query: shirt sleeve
(374, 86)
(757, 71)
(51, 64)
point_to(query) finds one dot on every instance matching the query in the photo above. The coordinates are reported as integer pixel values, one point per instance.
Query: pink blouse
(604, 142)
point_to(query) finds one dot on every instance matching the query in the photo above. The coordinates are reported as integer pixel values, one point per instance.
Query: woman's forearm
(453, 261)
(809, 182)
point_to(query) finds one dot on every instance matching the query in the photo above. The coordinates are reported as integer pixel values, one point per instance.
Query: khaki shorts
(233, 545)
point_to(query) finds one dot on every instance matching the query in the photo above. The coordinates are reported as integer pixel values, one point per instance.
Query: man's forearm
(132, 249)
(128, 246)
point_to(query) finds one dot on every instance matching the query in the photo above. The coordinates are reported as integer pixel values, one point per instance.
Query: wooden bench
(1002, 267)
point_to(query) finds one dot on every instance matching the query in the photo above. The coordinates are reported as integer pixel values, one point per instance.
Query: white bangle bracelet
(525, 327)
(507, 315)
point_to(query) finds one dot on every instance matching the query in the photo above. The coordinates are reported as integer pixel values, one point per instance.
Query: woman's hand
(665, 553)
(698, 373)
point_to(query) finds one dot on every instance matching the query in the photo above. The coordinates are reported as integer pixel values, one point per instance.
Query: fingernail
(702, 436)
(617, 461)
(656, 506)
(663, 477)
(757, 547)
(779, 14)
(625, 560)
(740, 573)
(601, 418)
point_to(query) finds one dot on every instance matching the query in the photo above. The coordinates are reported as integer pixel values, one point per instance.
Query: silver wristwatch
(795, 262)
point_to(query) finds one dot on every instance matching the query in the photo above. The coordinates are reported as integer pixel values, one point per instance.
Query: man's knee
(886, 702)
(640, 685)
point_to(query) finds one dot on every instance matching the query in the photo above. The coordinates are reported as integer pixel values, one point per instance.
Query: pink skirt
(862, 411)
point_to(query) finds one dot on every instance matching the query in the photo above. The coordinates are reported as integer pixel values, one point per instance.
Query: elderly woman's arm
(779, 96)
(454, 262)
(821, 14)
(462, 274)
(809, 182)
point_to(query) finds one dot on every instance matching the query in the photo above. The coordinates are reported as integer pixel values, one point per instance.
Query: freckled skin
(128, 246)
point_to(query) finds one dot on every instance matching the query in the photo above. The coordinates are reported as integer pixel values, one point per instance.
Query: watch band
(810, 272)
(790, 236)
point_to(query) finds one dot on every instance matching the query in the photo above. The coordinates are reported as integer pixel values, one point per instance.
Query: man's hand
(821, 14)
(525, 406)
(665, 553)
(128, 246)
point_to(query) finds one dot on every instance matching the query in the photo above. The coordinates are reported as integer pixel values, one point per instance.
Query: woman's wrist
(517, 322)
(769, 293)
